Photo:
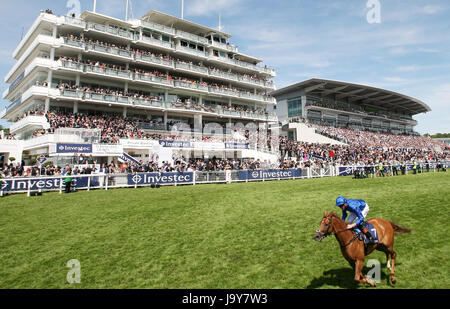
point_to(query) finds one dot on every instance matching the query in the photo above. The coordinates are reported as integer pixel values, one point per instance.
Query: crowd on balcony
(104, 91)
(165, 57)
(335, 105)
(7, 136)
(376, 139)
(139, 73)
(349, 107)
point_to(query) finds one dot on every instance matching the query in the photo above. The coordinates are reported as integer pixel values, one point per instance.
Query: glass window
(295, 108)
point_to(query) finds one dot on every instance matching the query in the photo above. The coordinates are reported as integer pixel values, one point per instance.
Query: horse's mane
(335, 215)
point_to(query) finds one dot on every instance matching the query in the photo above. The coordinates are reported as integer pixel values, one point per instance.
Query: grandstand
(345, 105)
(167, 95)
(155, 84)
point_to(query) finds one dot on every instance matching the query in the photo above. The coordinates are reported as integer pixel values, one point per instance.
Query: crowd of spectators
(357, 154)
(366, 138)
(165, 57)
(145, 75)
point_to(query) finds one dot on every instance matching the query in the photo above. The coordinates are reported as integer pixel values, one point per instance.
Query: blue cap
(341, 201)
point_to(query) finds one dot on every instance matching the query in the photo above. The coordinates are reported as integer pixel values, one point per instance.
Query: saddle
(372, 231)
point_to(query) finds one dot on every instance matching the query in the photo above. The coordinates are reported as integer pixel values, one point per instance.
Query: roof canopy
(358, 94)
(182, 24)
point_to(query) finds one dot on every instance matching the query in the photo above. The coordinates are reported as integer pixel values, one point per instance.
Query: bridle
(327, 233)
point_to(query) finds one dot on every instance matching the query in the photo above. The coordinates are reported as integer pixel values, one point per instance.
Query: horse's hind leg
(390, 260)
(393, 255)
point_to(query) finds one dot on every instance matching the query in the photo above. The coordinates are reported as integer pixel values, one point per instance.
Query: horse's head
(325, 227)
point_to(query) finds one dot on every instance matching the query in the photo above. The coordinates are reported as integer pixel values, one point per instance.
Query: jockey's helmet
(341, 201)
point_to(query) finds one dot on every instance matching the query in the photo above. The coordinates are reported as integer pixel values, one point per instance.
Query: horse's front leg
(359, 277)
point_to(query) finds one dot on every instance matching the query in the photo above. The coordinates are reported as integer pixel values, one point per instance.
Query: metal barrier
(111, 181)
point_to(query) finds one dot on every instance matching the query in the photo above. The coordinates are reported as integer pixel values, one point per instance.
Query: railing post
(89, 183)
(29, 188)
(106, 181)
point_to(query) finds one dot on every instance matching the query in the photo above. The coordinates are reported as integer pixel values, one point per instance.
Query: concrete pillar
(49, 78)
(126, 87)
(124, 111)
(304, 113)
(47, 104)
(166, 96)
(52, 54)
(75, 107)
(77, 81)
(198, 123)
(165, 119)
(55, 31)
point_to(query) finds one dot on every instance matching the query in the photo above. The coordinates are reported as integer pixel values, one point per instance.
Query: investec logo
(348, 170)
(136, 179)
(161, 178)
(17, 185)
(268, 174)
(3, 184)
(74, 148)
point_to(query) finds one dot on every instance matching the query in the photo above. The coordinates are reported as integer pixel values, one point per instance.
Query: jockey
(358, 210)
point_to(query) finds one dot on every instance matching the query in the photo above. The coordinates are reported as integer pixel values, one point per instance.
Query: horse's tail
(398, 229)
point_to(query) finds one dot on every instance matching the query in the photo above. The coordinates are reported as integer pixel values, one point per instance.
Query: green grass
(246, 235)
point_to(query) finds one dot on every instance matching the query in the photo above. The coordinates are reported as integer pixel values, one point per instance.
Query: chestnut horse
(353, 249)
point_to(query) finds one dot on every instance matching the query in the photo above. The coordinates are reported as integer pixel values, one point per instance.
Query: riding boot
(368, 235)
(359, 234)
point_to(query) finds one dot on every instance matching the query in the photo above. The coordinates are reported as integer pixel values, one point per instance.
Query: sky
(402, 46)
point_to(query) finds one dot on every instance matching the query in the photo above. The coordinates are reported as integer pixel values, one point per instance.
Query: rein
(337, 232)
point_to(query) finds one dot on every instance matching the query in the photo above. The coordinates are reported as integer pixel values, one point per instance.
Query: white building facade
(162, 71)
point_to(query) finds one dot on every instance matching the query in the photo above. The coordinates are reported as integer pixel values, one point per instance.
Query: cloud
(209, 7)
(408, 68)
(438, 120)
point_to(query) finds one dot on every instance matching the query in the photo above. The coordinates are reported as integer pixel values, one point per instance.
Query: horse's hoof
(393, 281)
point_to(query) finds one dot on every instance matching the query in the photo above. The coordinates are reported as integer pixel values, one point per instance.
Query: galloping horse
(355, 251)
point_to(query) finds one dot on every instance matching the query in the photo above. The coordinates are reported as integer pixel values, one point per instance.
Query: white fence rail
(111, 181)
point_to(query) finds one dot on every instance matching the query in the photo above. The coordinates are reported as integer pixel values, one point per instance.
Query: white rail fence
(110, 181)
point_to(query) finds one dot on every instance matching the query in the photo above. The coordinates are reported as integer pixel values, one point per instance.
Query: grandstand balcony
(129, 57)
(126, 75)
(356, 118)
(243, 65)
(29, 123)
(132, 32)
(40, 93)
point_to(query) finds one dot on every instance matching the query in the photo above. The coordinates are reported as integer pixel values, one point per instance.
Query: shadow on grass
(343, 278)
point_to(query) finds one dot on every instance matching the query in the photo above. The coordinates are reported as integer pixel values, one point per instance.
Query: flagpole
(182, 9)
(95, 5)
